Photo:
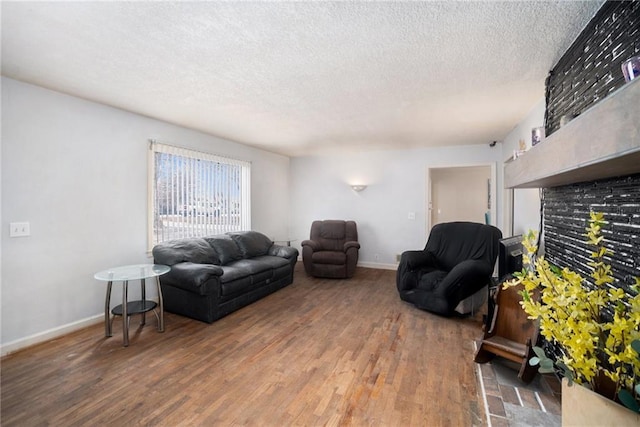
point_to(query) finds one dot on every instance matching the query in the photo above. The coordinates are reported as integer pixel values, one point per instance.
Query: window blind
(194, 194)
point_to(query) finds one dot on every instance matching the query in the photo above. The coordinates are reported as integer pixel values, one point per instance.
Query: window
(195, 194)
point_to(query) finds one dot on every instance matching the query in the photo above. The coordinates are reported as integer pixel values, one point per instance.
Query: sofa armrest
(312, 244)
(191, 276)
(283, 251)
(352, 244)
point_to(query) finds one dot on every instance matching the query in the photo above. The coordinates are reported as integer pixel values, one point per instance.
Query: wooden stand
(511, 334)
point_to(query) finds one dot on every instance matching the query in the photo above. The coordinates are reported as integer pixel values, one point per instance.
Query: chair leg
(483, 356)
(527, 372)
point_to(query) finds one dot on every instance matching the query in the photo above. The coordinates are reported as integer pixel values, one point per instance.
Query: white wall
(526, 201)
(396, 186)
(77, 171)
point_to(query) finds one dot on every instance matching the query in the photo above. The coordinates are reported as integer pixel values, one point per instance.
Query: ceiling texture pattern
(302, 78)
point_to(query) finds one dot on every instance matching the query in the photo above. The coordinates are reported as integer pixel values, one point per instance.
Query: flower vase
(584, 407)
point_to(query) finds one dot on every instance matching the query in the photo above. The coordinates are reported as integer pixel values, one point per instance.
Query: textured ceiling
(301, 78)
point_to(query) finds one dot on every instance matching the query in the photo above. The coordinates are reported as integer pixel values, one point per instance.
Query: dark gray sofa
(213, 276)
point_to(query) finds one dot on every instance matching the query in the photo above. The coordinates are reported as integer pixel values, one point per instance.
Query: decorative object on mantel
(522, 148)
(631, 68)
(596, 325)
(537, 135)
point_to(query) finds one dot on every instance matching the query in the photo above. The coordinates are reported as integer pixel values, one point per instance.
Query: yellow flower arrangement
(573, 313)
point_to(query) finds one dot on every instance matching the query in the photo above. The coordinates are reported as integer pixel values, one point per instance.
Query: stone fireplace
(593, 162)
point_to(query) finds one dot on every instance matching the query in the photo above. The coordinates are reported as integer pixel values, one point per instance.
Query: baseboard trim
(379, 266)
(50, 334)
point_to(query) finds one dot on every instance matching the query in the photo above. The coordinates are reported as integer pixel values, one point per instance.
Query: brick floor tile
(496, 407)
(499, 422)
(528, 398)
(509, 394)
(491, 387)
(487, 370)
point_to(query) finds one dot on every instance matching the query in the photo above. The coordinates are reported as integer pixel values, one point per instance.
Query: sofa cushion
(235, 287)
(244, 274)
(194, 250)
(231, 273)
(251, 266)
(225, 247)
(252, 243)
(272, 261)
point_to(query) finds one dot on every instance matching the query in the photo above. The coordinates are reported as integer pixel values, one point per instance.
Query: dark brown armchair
(332, 249)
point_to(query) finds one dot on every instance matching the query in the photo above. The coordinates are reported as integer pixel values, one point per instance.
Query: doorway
(461, 193)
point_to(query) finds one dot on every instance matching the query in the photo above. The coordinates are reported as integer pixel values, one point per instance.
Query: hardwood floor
(319, 352)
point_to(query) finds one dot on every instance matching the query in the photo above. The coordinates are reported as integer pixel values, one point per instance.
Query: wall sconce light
(358, 188)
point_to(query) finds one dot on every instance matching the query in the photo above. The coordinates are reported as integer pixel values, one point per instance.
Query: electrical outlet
(19, 229)
(398, 256)
(376, 257)
(412, 216)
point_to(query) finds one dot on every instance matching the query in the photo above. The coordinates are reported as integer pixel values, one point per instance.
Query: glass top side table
(286, 242)
(128, 308)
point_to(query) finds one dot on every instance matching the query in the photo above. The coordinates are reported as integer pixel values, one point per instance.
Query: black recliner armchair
(456, 263)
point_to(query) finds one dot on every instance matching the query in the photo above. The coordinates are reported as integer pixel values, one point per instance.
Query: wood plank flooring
(319, 352)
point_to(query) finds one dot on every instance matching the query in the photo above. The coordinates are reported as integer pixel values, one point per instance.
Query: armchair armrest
(349, 245)
(315, 246)
(412, 260)
(470, 271)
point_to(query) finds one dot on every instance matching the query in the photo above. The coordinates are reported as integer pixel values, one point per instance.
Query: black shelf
(135, 307)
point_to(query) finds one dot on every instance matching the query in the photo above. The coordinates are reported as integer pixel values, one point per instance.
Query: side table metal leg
(107, 315)
(161, 307)
(125, 315)
(143, 293)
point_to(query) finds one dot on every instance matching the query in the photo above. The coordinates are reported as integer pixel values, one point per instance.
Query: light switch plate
(412, 215)
(19, 229)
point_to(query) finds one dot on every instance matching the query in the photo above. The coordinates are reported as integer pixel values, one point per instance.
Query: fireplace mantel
(603, 142)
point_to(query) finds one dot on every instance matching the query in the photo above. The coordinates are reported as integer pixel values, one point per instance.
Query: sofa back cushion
(251, 243)
(194, 250)
(226, 248)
